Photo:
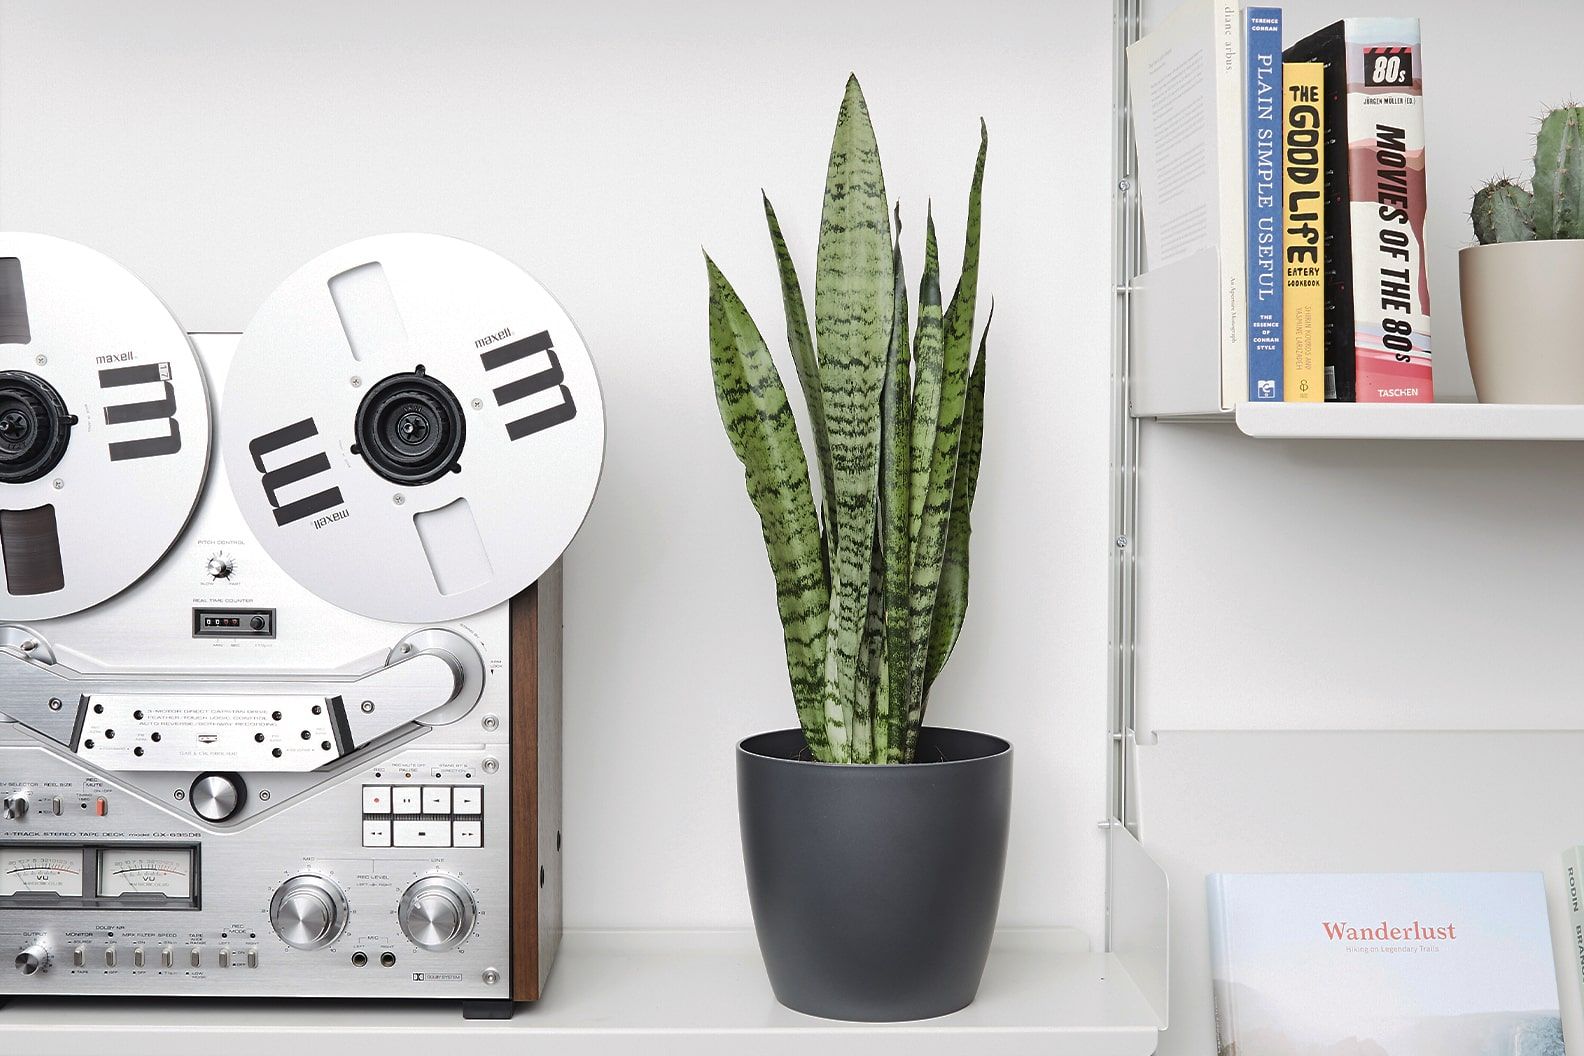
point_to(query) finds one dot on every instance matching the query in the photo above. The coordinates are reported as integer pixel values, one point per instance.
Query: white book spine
(1231, 170)
(1221, 965)
(1573, 891)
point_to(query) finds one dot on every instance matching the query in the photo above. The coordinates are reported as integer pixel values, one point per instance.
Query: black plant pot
(875, 888)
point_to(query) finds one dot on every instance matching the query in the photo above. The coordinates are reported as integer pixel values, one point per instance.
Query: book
(1573, 884)
(1262, 91)
(1303, 233)
(1185, 93)
(1371, 963)
(1377, 319)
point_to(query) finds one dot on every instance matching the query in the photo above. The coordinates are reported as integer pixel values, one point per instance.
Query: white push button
(423, 834)
(376, 833)
(467, 800)
(376, 799)
(436, 800)
(467, 833)
(408, 799)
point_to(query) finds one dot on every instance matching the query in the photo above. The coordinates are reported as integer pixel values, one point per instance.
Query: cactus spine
(1559, 175)
(1503, 212)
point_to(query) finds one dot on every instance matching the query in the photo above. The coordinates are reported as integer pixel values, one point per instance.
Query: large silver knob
(308, 912)
(32, 960)
(437, 913)
(215, 797)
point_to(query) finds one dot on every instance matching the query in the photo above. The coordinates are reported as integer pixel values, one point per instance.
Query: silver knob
(437, 913)
(308, 912)
(215, 797)
(15, 808)
(32, 960)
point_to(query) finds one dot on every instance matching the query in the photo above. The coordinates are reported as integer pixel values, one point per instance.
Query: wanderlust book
(1262, 91)
(1377, 292)
(1303, 233)
(1383, 964)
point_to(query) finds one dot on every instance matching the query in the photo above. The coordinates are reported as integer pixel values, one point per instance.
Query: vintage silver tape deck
(284, 719)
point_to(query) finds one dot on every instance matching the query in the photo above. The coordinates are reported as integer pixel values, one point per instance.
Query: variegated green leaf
(759, 422)
(801, 342)
(896, 432)
(873, 652)
(928, 362)
(951, 600)
(959, 320)
(853, 305)
(929, 544)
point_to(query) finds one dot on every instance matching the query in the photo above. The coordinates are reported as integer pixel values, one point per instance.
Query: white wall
(212, 147)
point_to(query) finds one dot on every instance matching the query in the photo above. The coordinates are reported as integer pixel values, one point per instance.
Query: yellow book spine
(1303, 232)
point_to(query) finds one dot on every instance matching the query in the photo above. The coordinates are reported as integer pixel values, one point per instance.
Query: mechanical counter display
(413, 428)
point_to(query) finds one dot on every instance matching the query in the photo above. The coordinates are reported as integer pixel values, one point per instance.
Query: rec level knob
(437, 913)
(308, 912)
(32, 960)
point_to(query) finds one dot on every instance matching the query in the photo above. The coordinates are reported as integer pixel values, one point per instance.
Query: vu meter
(26, 870)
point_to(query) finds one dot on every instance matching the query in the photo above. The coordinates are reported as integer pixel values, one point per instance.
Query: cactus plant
(872, 588)
(1504, 211)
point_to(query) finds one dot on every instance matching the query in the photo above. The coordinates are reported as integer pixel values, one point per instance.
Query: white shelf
(649, 993)
(1410, 421)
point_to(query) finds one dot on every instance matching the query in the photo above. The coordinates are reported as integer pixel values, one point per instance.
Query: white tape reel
(413, 428)
(104, 428)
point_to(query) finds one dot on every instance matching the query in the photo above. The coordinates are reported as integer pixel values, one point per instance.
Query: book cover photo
(1383, 964)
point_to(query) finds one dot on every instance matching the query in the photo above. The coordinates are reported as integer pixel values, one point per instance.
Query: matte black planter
(875, 888)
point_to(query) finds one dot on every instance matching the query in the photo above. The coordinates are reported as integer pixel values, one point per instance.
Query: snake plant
(872, 584)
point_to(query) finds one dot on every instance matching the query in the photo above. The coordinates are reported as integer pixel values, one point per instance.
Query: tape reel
(104, 428)
(413, 428)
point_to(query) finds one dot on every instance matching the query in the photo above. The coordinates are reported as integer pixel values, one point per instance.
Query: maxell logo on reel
(549, 376)
(291, 473)
(160, 410)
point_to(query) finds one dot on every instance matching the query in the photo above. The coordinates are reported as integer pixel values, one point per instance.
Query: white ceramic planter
(1522, 322)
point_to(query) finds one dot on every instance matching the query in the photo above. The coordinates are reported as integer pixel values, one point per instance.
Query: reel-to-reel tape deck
(286, 721)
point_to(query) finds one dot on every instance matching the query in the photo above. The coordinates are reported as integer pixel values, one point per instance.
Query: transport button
(408, 799)
(423, 834)
(376, 834)
(467, 833)
(376, 799)
(467, 800)
(437, 800)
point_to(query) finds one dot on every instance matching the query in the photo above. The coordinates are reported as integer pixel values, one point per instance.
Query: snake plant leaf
(801, 342)
(876, 700)
(960, 313)
(759, 422)
(929, 544)
(929, 360)
(896, 541)
(951, 601)
(853, 306)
